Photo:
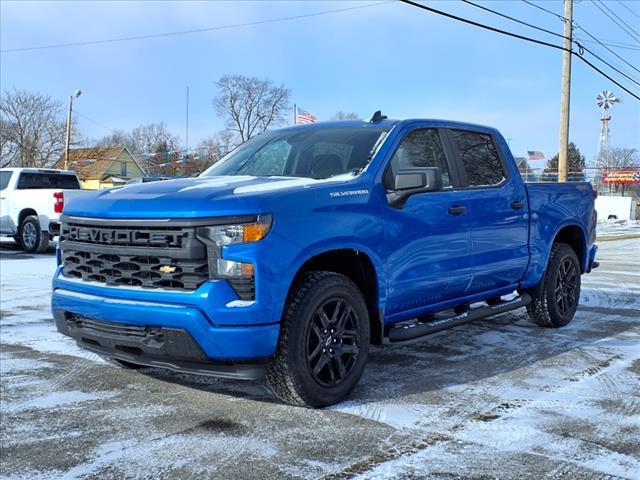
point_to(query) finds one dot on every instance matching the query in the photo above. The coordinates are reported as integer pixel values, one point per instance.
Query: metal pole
(187, 133)
(68, 135)
(565, 96)
(295, 114)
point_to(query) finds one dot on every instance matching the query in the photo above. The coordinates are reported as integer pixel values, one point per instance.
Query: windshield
(311, 152)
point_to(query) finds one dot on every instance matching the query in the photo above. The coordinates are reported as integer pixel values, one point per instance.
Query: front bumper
(203, 315)
(170, 348)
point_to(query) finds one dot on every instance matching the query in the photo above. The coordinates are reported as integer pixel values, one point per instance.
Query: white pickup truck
(31, 201)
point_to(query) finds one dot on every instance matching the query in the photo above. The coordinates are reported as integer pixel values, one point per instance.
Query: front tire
(32, 238)
(555, 303)
(324, 341)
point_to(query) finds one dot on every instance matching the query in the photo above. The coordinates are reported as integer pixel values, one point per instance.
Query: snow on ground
(497, 398)
(618, 227)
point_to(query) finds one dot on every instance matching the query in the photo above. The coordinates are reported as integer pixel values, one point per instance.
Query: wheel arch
(357, 265)
(574, 236)
(24, 213)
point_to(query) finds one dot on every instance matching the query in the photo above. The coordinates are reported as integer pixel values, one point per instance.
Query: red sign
(621, 176)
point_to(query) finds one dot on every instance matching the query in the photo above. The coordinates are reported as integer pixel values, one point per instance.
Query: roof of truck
(390, 122)
(38, 170)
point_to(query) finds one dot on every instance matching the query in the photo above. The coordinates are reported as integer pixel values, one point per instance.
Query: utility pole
(187, 126)
(565, 96)
(68, 135)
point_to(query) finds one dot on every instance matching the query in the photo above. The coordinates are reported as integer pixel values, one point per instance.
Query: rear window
(30, 180)
(4, 179)
(479, 157)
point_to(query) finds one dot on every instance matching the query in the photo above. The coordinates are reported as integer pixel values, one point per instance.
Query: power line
(625, 6)
(521, 37)
(614, 53)
(633, 30)
(94, 121)
(609, 65)
(495, 12)
(544, 10)
(608, 43)
(604, 42)
(197, 30)
(633, 34)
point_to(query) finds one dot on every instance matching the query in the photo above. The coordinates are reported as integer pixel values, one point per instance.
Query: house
(99, 168)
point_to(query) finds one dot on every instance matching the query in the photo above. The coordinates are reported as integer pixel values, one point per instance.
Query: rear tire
(324, 341)
(31, 237)
(554, 304)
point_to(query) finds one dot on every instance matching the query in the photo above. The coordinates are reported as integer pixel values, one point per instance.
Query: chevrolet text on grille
(114, 236)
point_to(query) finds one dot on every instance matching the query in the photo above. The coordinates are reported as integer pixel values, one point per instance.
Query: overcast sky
(393, 57)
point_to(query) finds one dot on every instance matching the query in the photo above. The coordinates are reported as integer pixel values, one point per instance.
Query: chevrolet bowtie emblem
(167, 269)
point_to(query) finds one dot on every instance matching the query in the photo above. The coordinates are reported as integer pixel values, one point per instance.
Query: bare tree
(152, 145)
(7, 147)
(213, 148)
(33, 129)
(623, 157)
(250, 105)
(147, 138)
(345, 116)
(115, 139)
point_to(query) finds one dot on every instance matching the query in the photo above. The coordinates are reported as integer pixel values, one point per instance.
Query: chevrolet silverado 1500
(293, 254)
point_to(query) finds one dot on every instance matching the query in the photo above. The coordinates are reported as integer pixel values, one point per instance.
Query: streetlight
(68, 139)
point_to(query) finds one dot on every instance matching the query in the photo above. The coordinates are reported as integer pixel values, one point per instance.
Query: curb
(624, 236)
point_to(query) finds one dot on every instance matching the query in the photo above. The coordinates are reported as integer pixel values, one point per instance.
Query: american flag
(535, 155)
(302, 116)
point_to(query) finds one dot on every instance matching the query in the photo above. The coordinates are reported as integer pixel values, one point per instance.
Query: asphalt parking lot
(499, 398)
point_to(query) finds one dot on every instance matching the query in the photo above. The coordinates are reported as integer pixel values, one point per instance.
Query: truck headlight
(218, 236)
(223, 235)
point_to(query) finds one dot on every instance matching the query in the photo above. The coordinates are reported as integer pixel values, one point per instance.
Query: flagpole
(295, 114)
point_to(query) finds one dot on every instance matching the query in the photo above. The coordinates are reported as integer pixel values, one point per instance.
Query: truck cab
(290, 256)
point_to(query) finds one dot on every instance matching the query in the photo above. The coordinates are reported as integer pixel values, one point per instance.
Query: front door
(428, 237)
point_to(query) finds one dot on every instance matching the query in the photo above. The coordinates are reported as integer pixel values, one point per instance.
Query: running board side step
(411, 331)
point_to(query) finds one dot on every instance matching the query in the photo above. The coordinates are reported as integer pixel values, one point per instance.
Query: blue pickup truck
(289, 257)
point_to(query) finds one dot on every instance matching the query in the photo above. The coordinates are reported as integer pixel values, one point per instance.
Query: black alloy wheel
(555, 300)
(332, 342)
(324, 341)
(566, 286)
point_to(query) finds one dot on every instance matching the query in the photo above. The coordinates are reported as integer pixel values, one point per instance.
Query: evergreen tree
(575, 166)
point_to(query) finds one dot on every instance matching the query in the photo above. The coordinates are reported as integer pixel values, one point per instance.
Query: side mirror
(410, 181)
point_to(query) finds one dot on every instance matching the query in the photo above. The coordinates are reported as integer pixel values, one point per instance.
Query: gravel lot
(498, 398)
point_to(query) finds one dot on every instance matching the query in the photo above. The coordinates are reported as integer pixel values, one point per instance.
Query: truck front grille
(148, 255)
(148, 271)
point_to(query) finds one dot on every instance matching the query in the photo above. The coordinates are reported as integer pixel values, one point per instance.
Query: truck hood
(186, 198)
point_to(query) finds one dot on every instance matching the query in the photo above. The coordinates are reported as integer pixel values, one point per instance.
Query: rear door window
(4, 179)
(33, 180)
(479, 157)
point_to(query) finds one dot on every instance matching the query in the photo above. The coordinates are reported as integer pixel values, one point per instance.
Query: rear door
(428, 237)
(499, 217)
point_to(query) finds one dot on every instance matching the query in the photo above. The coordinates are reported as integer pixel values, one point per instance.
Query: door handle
(457, 210)
(517, 205)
